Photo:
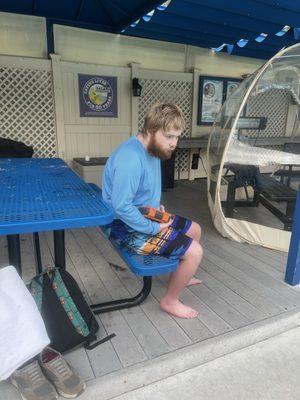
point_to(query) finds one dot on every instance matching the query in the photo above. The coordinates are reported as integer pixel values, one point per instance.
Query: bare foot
(194, 281)
(178, 309)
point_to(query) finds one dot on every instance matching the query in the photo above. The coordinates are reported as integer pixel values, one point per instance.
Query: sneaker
(58, 371)
(32, 384)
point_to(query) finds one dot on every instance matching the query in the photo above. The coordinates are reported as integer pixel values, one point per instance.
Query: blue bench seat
(142, 265)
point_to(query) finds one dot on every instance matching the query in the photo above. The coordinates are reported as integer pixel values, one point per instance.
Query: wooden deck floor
(242, 284)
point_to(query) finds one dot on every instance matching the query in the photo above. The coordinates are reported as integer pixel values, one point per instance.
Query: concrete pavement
(268, 370)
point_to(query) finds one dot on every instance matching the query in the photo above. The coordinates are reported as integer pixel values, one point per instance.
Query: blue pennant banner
(261, 37)
(148, 16)
(164, 5)
(283, 31)
(134, 24)
(297, 33)
(229, 48)
(242, 42)
(220, 48)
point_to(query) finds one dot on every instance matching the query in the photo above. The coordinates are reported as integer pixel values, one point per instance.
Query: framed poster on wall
(231, 86)
(98, 96)
(213, 91)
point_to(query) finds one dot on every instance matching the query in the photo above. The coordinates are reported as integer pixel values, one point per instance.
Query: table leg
(288, 182)
(125, 303)
(59, 249)
(14, 252)
(230, 200)
(290, 209)
(38, 257)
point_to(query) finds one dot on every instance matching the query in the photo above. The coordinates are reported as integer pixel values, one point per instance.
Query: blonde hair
(163, 116)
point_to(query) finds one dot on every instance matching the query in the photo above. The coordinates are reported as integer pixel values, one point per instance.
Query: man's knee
(198, 230)
(195, 251)
(195, 231)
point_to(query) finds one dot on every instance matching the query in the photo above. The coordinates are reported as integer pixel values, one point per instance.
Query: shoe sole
(14, 383)
(68, 395)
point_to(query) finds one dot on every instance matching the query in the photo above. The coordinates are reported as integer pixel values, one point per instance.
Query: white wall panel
(80, 145)
(22, 35)
(82, 45)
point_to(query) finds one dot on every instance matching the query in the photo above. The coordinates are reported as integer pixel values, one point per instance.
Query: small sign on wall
(211, 97)
(213, 91)
(98, 96)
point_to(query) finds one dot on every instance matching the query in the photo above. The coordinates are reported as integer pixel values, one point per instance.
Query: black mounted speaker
(167, 173)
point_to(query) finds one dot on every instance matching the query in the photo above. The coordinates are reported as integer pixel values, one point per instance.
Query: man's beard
(156, 151)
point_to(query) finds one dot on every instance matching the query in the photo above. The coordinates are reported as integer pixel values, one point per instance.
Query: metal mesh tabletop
(45, 194)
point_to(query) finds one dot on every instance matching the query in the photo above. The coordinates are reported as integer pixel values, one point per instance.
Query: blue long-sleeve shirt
(131, 179)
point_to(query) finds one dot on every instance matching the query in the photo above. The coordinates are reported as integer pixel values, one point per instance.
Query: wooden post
(58, 105)
(134, 101)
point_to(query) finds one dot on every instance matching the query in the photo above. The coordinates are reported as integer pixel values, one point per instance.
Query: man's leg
(179, 279)
(195, 233)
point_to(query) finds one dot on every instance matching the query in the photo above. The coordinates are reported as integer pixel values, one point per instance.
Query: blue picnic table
(45, 195)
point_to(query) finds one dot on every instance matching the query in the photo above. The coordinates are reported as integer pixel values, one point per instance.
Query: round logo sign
(98, 94)
(209, 90)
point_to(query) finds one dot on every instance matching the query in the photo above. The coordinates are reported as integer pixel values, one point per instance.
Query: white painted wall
(209, 62)
(22, 35)
(81, 45)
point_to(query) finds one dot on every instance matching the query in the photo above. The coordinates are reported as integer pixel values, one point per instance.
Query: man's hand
(162, 208)
(166, 225)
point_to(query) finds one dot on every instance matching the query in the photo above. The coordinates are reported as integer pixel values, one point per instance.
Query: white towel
(22, 331)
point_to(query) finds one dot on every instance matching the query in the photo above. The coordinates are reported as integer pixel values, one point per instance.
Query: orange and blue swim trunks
(172, 242)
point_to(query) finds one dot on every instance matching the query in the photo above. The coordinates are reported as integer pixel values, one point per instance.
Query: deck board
(245, 308)
(262, 303)
(168, 328)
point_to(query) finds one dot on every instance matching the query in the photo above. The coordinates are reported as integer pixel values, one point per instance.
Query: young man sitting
(132, 179)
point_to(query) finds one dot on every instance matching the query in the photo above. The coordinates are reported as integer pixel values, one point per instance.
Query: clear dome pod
(254, 155)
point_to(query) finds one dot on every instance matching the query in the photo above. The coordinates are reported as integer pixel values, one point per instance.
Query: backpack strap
(68, 304)
(36, 288)
(90, 346)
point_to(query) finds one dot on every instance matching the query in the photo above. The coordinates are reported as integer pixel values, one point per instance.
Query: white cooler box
(91, 171)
